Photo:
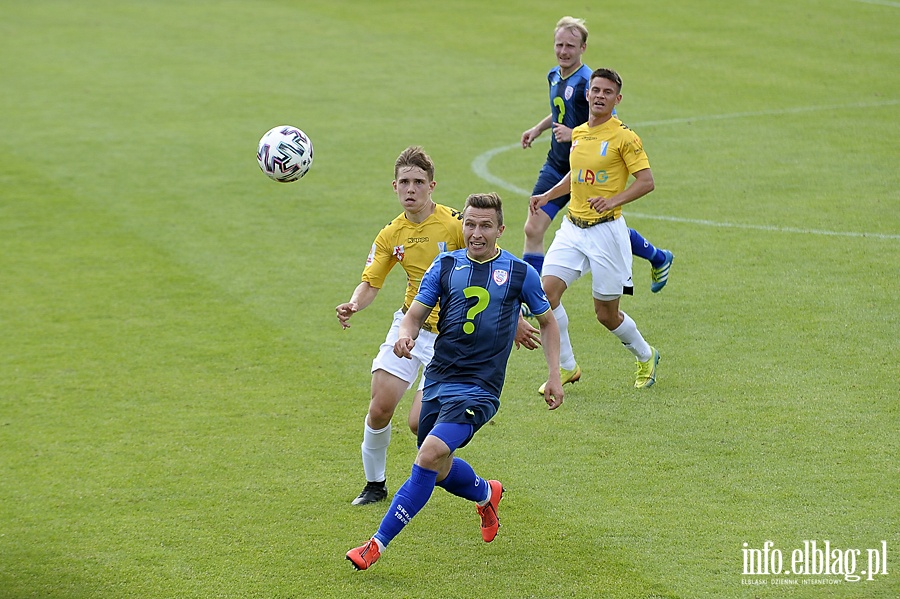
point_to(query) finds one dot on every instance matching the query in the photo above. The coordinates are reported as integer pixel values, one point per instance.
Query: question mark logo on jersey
(484, 299)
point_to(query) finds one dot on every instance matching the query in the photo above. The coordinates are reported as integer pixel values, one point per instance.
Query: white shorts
(404, 368)
(604, 250)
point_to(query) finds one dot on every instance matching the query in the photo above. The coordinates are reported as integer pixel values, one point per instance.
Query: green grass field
(180, 412)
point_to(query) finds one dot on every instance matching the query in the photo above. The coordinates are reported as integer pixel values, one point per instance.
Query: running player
(412, 240)
(594, 237)
(480, 290)
(568, 109)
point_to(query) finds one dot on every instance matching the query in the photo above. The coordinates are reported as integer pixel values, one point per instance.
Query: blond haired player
(568, 82)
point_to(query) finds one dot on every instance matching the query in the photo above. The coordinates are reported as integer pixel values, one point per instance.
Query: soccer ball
(285, 153)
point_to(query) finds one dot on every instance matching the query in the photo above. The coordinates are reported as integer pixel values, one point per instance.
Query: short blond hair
(574, 24)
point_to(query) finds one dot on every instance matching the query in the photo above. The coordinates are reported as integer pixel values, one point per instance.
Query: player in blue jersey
(480, 290)
(568, 109)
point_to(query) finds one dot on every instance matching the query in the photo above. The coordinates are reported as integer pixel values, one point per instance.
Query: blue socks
(642, 248)
(463, 482)
(416, 491)
(536, 260)
(407, 502)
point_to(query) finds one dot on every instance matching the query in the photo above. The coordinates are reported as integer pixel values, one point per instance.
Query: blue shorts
(547, 178)
(462, 403)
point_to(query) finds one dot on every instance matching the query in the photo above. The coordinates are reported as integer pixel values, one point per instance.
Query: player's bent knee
(433, 453)
(380, 415)
(536, 229)
(554, 287)
(609, 317)
(607, 322)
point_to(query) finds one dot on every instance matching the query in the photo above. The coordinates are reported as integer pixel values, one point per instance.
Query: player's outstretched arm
(410, 326)
(553, 392)
(362, 296)
(532, 134)
(560, 189)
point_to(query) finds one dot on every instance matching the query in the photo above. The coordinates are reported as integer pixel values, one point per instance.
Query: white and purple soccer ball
(285, 153)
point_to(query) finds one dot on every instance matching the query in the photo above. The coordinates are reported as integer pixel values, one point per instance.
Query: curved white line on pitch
(480, 167)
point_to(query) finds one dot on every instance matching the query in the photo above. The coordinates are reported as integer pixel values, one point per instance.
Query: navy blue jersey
(569, 107)
(480, 305)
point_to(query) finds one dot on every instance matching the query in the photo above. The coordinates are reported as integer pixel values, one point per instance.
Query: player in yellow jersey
(594, 237)
(568, 81)
(412, 240)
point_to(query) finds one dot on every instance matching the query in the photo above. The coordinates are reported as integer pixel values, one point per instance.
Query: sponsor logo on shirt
(590, 177)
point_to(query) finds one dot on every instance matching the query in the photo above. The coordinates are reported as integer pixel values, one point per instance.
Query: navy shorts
(547, 178)
(462, 403)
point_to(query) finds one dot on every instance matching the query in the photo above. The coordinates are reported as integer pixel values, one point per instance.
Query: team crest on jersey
(569, 91)
(603, 147)
(501, 276)
(399, 251)
(442, 246)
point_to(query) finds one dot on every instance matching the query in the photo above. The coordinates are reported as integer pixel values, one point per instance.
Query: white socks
(374, 452)
(566, 353)
(632, 340)
(627, 333)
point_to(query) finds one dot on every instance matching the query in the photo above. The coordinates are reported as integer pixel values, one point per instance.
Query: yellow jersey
(414, 246)
(601, 159)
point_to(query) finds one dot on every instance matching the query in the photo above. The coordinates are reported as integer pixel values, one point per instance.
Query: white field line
(881, 3)
(726, 225)
(480, 167)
